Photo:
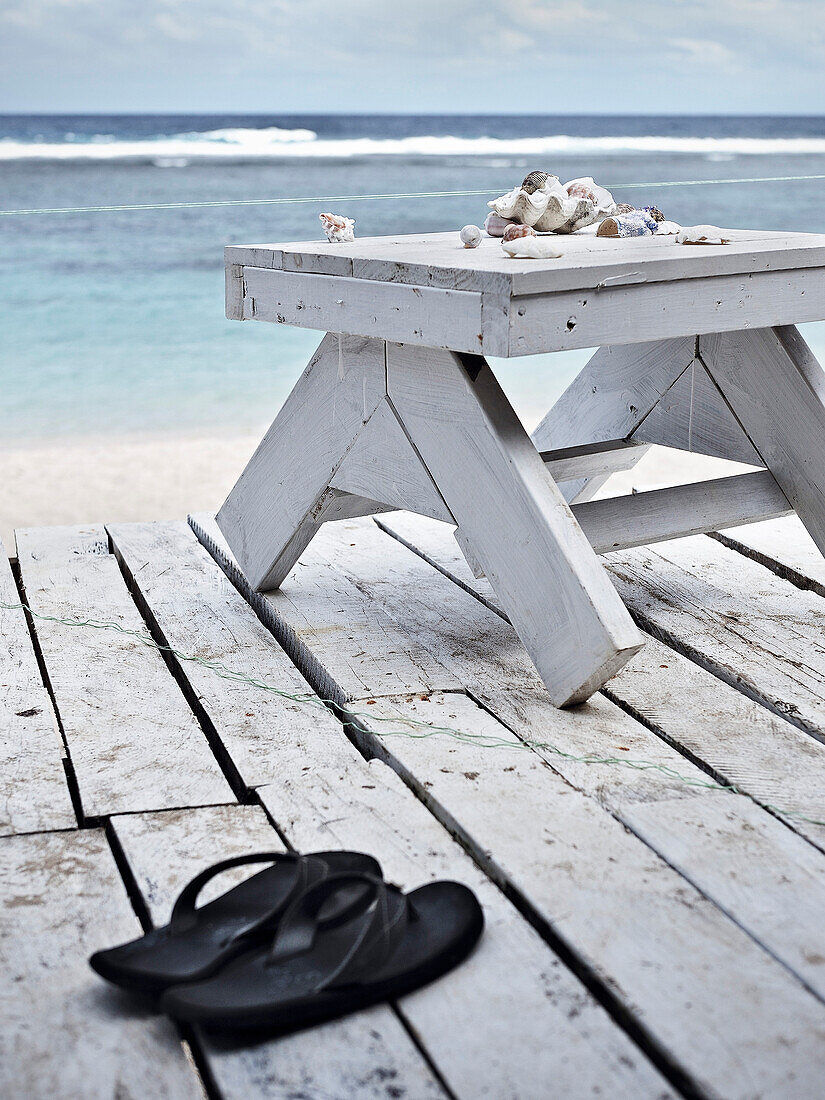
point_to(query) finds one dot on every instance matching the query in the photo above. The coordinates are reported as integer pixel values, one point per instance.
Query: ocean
(113, 322)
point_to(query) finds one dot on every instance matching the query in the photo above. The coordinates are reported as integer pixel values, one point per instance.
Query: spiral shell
(534, 181)
(514, 231)
(339, 230)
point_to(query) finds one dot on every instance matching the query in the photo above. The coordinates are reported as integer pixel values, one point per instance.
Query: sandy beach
(136, 478)
(68, 481)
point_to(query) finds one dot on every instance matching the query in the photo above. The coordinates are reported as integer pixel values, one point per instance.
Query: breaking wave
(274, 143)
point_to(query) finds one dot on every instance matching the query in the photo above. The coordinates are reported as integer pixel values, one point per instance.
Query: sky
(414, 56)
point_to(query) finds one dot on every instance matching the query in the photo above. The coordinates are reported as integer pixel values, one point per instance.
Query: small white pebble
(470, 236)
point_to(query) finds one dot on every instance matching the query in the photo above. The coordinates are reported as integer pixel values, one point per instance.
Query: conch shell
(553, 207)
(339, 230)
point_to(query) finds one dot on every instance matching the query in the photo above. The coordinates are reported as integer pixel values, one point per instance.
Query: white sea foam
(274, 143)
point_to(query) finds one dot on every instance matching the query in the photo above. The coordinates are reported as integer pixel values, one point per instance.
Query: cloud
(176, 28)
(555, 17)
(431, 51)
(704, 51)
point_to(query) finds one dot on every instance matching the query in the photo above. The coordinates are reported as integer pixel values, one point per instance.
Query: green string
(207, 203)
(423, 729)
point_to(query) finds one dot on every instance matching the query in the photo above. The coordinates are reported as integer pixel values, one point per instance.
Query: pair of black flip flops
(307, 939)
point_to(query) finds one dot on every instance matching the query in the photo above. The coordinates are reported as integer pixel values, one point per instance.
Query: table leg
(610, 398)
(776, 388)
(513, 517)
(280, 498)
(371, 426)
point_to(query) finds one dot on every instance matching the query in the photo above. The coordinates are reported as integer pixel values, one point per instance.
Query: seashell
(587, 188)
(600, 203)
(531, 207)
(470, 236)
(495, 225)
(551, 208)
(534, 181)
(514, 231)
(702, 234)
(583, 213)
(638, 223)
(339, 230)
(531, 247)
(626, 208)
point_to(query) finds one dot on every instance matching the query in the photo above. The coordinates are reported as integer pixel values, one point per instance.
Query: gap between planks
(34, 792)
(728, 733)
(132, 738)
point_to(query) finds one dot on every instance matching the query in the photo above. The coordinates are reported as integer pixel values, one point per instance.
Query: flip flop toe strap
(307, 872)
(384, 914)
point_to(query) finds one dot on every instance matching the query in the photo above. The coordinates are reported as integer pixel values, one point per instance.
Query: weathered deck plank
(369, 1055)
(64, 1033)
(750, 627)
(510, 1020)
(768, 877)
(737, 739)
(784, 546)
(200, 613)
(516, 980)
(34, 796)
(674, 995)
(133, 740)
(694, 982)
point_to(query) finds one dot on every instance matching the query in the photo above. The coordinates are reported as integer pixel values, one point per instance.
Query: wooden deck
(648, 935)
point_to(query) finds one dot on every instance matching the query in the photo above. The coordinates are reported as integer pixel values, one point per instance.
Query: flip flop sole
(246, 997)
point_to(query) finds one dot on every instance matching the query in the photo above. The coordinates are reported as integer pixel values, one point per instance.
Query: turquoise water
(113, 322)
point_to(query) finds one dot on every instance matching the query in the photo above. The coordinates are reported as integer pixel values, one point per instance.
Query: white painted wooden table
(398, 408)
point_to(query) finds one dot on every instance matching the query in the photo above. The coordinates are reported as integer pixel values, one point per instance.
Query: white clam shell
(551, 209)
(529, 207)
(531, 248)
(470, 236)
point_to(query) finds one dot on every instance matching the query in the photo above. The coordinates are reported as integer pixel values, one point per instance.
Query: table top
(587, 261)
